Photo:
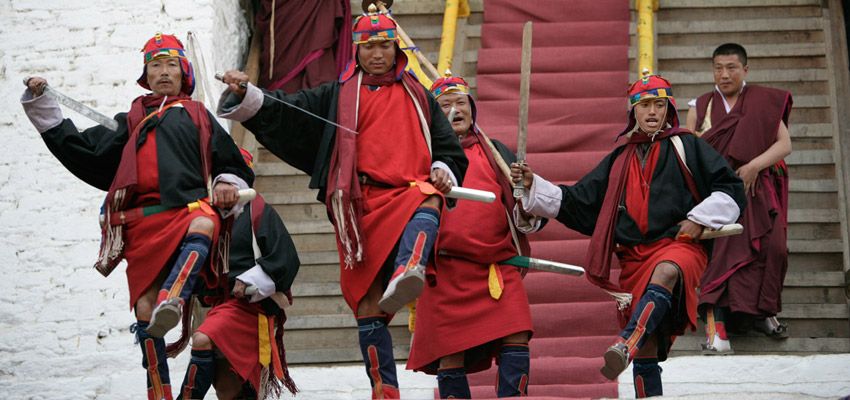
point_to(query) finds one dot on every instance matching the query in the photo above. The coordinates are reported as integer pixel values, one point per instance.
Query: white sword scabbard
(471, 194)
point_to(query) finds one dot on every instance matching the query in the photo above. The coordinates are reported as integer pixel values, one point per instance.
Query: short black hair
(728, 49)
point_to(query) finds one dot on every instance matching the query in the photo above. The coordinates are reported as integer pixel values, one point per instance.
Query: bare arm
(776, 152)
(691, 121)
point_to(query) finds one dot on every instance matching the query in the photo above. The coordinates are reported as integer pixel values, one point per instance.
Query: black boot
(178, 286)
(514, 366)
(376, 344)
(453, 384)
(647, 376)
(154, 362)
(414, 249)
(646, 317)
(199, 375)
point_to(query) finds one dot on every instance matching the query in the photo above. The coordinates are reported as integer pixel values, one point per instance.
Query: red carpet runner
(577, 106)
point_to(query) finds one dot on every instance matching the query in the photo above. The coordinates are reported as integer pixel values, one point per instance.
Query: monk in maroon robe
(748, 125)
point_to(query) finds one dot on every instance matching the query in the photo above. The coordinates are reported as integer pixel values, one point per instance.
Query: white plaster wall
(63, 327)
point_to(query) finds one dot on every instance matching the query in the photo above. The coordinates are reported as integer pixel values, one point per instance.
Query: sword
(544, 265)
(80, 108)
(524, 87)
(244, 85)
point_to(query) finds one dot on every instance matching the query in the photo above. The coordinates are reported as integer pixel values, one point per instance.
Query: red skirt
(638, 263)
(150, 244)
(234, 330)
(386, 212)
(458, 314)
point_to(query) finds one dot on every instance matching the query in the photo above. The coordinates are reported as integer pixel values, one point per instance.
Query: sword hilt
(220, 76)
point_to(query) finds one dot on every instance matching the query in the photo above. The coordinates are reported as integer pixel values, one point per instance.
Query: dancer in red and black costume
(160, 168)
(383, 186)
(245, 324)
(476, 308)
(648, 201)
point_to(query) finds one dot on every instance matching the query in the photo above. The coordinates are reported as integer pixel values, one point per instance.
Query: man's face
(651, 114)
(729, 74)
(165, 76)
(462, 120)
(376, 58)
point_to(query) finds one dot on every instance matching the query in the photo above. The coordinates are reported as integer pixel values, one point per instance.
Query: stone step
(281, 183)
(811, 131)
(335, 321)
(318, 273)
(276, 168)
(318, 258)
(815, 246)
(339, 355)
(703, 52)
(689, 345)
(734, 25)
(291, 198)
(815, 279)
(812, 185)
(810, 157)
(314, 242)
(309, 227)
(302, 212)
(813, 216)
(689, 4)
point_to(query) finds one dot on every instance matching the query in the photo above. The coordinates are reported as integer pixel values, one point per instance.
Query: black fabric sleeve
(280, 259)
(581, 202)
(712, 172)
(290, 134)
(91, 155)
(226, 158)
(445, 146)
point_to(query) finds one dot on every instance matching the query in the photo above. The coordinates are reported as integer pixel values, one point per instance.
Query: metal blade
(524, 90)
(80, 108)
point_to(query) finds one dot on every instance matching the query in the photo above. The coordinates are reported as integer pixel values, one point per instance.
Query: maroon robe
(747, 271)
(301, 42)
(457, 313)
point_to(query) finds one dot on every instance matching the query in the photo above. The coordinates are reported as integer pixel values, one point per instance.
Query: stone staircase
(788, 43)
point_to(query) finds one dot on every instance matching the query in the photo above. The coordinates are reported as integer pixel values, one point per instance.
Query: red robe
(390, 131)
(150, 242)
(457, 313)
(747, 271)
(639, 262)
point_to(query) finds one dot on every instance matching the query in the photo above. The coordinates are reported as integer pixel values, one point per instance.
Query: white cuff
(543, 199)
(526, 225)
(259, 279)
(445, 167)
(246, 109)
(715, 211)
(692, 103)
(43, 111)
(240, 185)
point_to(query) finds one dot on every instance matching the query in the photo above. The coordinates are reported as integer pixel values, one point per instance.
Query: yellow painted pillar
(646, 34)
(447, 40)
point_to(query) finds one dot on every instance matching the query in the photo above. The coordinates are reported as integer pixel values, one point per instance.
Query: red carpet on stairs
(577, 106)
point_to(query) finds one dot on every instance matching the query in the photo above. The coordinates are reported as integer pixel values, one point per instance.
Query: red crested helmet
(374, 27)
(651, 87)
(163, 46)
(453, 84)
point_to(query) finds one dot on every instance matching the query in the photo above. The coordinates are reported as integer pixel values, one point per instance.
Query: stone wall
(63, 327)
